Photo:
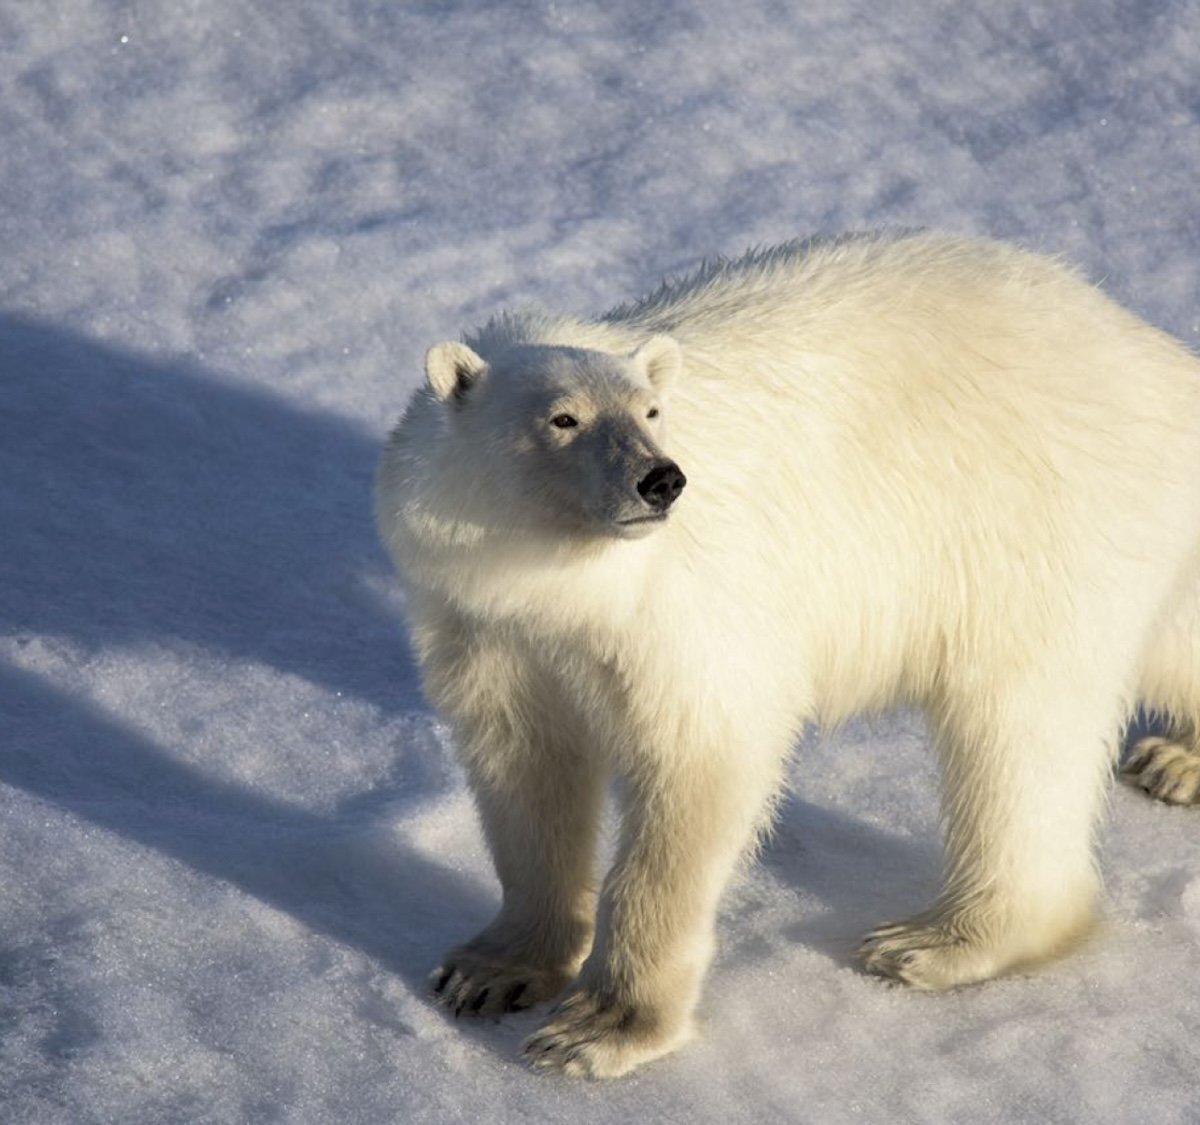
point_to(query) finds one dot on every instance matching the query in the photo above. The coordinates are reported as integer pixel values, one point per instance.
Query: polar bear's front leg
(541, 831)
(539, 794)
(539, 813)
(683, 830)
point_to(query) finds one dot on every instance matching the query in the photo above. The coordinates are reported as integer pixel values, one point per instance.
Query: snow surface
(232, 841)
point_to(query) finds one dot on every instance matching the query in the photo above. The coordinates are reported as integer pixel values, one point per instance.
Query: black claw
(443, 980)
(512, 1000)
(479, 1001)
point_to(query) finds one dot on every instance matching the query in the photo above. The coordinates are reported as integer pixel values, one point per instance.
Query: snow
(232, 839)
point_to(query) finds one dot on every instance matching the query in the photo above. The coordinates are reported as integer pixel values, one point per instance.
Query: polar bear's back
(950, 350)
(900, 296)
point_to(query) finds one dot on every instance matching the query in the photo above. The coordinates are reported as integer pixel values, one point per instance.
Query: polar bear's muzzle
(657, 489)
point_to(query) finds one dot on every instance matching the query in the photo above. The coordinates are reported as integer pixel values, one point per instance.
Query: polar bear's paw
(474, 984)
(589, 1037)
(928, 956)
(1166, 769)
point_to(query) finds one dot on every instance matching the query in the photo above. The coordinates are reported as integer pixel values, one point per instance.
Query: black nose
(661, 486)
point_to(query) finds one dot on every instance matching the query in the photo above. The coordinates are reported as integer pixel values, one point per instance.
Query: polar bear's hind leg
(1167, 765)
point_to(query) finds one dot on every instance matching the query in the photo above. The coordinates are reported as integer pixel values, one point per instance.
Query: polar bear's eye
(652, 413)
(564, 421)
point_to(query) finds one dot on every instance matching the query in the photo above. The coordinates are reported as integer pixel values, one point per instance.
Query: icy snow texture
(231, 839)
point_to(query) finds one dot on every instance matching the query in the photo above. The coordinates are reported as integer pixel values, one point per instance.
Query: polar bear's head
(564, 439)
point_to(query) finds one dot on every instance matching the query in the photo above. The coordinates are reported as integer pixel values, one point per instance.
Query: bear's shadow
(148, 504)
(858, 874)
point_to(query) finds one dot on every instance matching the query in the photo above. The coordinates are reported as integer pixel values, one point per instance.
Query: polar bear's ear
(452, 370)
(661, 360)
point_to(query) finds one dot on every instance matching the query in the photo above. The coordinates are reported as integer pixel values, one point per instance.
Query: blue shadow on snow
(153, 503)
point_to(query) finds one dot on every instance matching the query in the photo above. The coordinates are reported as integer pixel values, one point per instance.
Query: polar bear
(822, 479)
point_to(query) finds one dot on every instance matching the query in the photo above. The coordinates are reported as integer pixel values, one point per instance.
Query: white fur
(920, 470)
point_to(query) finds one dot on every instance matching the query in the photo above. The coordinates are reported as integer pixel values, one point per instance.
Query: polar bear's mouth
(636, 526)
